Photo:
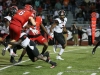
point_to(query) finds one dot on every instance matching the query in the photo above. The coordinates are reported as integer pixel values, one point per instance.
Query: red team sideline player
(17, 22)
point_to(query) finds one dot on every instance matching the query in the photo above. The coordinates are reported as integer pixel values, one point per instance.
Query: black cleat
(93, 51)
(13, 61)
(3, 52)
(54, 64)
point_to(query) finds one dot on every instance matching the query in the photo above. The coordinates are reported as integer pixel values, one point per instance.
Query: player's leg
(60, 38)
(43, 41)
(22, 55)
(94, 49)
(12, 60)
(14, 34)
(34, 55)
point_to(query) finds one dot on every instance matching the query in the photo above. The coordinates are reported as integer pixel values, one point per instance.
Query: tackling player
(32, 51)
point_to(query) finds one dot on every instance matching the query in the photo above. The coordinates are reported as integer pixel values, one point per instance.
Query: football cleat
(54, 64)
(3, 52)
(93, 51)
(13, 61)
(59, 58)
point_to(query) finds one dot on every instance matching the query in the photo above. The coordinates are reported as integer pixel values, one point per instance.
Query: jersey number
(21, 12)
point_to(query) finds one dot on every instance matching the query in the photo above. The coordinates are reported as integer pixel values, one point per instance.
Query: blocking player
(32, 51)
(17, 22)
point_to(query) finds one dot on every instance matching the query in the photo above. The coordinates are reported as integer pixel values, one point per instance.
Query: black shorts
(32, 52)
(59, 37)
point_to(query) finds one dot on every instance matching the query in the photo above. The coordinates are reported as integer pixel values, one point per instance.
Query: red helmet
(28, 7)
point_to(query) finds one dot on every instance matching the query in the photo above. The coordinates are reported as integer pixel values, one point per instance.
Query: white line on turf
(13, 65)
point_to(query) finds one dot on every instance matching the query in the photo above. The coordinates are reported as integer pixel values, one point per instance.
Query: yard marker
(69, 67)
(38, 67)
(60, 73)
(93, 73)
(99, 68)
(26, 73)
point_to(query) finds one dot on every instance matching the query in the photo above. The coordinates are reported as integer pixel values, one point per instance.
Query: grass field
(78, 60)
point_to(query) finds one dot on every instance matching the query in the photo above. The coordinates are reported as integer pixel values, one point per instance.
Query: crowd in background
(80, 9)
(49, 9)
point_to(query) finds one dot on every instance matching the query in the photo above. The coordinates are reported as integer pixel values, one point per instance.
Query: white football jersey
(59, 27)
(25, 40)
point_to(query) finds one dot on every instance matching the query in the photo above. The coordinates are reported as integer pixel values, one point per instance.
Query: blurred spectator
(9, 2)
(80, 33)
(98, 23)
(88, 31)
(58, 5)
(14, 2)
(73, 6)
(46, 5)
(1, 2)
(56, 13)
(80, 17)
(39, 9)
(92, 7)
(77, 10)
(98, 5)
(74, 30)
(93, 1)
(50, 11)
(37, 3)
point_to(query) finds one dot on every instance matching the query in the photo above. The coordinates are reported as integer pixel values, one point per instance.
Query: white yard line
(93, 73)
(13, 65)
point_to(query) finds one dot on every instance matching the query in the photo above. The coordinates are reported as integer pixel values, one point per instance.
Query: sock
(59, 46)
(11, 51)
(7, 48)
(49, 61)
(61, 51)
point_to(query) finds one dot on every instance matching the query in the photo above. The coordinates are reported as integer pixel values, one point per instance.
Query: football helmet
(62, 13)
(13, 10)
(28, 7)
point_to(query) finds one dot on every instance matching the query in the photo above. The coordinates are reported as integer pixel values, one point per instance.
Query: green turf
(78, 61)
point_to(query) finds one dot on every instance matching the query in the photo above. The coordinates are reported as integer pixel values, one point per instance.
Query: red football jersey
(21, 16)
(37, 27)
